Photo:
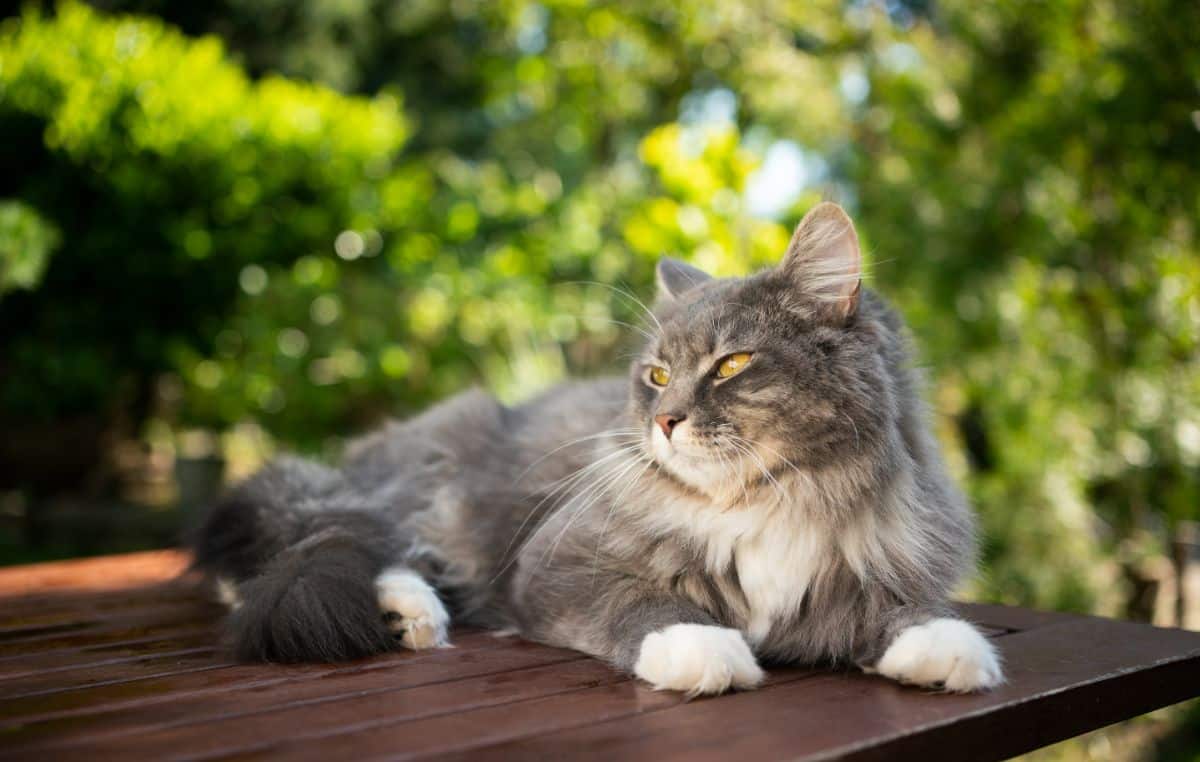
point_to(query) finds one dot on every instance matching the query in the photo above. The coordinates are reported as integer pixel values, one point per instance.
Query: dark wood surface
(119, 658)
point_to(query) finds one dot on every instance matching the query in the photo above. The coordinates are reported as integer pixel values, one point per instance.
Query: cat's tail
(315, 601)
(301, 584)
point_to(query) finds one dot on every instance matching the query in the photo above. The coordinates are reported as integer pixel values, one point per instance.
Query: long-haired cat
(762, 487)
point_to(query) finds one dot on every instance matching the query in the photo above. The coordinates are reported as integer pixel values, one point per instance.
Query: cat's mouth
(697, 461)
(679, 444)
(719, 463)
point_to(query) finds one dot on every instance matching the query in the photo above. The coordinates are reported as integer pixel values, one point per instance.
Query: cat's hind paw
(697, 659)
(227, 593)
(413, 609)
(942, 653)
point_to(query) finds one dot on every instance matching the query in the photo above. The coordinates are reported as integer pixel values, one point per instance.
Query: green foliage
(26, 241)
(1044, 166)
(1025, 184)
(166, 170)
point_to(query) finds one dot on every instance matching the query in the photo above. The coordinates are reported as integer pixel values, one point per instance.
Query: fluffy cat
(761, 488)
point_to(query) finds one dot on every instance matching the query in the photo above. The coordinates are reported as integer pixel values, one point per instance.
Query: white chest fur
(775, 567)
(776, 553)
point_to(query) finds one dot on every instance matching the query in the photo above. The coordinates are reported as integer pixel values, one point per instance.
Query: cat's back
(554, 429)
(574, 404)
(474, 430)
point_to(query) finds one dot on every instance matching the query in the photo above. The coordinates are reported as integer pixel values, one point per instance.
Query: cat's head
(746, 378)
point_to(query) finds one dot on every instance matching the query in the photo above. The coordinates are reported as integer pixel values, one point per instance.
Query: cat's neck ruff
(775, 543)
(779, 538)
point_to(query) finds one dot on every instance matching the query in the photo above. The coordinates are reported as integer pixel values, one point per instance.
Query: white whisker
(857, 444)
(744, 446)
(564, 445)
(628, 296)
(612, 506)
(564, 484)
(591, 496)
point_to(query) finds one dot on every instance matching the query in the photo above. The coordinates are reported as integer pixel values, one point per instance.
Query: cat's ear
(824, 260)
(675, 277)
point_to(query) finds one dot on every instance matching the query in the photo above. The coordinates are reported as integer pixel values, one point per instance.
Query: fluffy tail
(315, 601)
(304, 576)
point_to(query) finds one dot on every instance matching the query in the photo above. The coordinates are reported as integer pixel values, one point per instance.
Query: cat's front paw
(413, 609)
(696, 659)
(942, 653)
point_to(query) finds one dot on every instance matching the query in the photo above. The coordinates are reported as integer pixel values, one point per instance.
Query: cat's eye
(659, 376)
(733, 365)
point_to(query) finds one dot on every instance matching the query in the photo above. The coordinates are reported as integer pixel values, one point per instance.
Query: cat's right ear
(675, 277)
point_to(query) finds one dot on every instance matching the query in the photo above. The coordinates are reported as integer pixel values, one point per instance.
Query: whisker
(568, 481)
(625, 294)
(779, 455)
(602, 434)
(595, 472)
(857, 444)
(612, 506)
(564, 484)
(598, 490)
(728, 465)
(645, 334)
(745, 447)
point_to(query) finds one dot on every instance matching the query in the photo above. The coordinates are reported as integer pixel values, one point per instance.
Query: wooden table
(118, 658)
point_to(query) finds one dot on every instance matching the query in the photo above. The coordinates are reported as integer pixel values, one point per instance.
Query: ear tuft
(825, 261)
(675, 277)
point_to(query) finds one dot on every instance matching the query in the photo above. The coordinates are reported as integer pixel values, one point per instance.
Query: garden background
(235, 227)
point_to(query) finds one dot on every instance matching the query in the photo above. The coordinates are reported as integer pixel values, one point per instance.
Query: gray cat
(762, 487)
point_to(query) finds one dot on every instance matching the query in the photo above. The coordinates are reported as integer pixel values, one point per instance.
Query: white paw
(697, 658)
(227, 593)
(942, 653)
(413, 607)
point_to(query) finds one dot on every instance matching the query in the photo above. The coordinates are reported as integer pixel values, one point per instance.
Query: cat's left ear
(675, 277)
(825, 261)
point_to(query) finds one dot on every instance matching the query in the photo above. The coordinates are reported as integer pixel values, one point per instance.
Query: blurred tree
(27, 240)
(157, 199)
(1044, 167)
(523, 171)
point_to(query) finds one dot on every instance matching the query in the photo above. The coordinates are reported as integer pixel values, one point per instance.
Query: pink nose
(667, 422)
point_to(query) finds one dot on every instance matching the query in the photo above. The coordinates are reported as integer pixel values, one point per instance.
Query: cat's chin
(698, 472)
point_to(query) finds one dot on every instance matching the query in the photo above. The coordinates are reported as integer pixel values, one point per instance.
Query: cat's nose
(668, 421)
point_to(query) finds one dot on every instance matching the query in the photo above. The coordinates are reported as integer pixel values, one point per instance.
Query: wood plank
(48, 609)
(84, 631)
(46, 596)
(499, 678)
(94, 574)
(401, 739)
(63, 661)
(1012, 619)
(18, 712)
(95, 638)
(109, 643)
(117, 658)
(113, 674)
(141, 695)
(1063, 680)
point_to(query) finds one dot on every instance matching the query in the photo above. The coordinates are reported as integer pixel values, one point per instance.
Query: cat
(762, 488)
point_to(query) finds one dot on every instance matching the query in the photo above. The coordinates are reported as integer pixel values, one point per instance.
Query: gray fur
(534, 517)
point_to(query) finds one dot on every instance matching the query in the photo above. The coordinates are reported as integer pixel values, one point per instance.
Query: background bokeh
(232, 227)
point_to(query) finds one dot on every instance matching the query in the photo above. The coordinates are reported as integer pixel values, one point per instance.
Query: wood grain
(121, 658)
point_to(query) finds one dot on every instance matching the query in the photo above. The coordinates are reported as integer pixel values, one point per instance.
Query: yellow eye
(733, 365)
(659, 376)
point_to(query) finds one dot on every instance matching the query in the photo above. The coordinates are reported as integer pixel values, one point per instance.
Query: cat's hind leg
(412, 608)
